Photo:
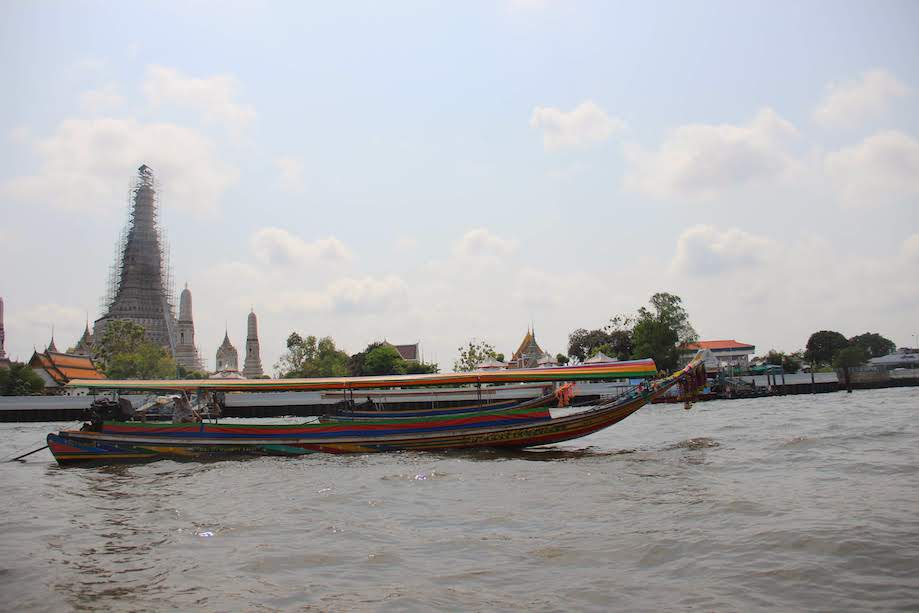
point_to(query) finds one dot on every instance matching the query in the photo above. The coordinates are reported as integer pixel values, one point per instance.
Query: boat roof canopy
(615, 370)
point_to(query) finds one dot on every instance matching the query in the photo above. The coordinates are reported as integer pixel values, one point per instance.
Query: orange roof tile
(63, 367)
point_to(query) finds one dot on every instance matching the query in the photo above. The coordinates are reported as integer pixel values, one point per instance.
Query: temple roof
(408, 352)
(62, 367)
(226, 345)
(528, 347)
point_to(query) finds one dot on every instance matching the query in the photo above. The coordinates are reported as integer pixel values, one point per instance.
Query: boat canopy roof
(615, 370)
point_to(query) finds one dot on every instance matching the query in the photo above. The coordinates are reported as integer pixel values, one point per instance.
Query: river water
(793, 503)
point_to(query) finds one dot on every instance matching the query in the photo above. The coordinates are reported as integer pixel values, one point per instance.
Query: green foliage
(383, 360)
(124, 353)
(850, 357)
(186, 373)
(874, 344)
(561, 358)
(148, 361)
(790, 362)
(584, 343)
(474, 353)
(356, 361)
(660, 331)
(309, 357)
(417, 368)
(823, 345)
(20, 380)
(499, 357)
(120, 337)
(614, 339)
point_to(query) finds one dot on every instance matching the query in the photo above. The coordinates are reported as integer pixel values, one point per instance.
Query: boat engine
(108, 409)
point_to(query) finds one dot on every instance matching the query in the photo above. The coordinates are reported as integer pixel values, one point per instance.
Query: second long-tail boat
(524, 425)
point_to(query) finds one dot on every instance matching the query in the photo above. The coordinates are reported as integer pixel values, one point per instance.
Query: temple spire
(252, 367)
(2, 332)
(51, 345)
(141, 287)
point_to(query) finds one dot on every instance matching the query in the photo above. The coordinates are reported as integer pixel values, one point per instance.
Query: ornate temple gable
(529, 353)
(227, 357)
(84, 346)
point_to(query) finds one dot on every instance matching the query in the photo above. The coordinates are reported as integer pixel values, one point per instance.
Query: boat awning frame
(590, 372)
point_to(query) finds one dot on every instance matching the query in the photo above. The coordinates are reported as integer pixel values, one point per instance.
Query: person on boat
(183, 413)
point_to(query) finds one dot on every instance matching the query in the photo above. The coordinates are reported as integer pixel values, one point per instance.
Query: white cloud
(482, 243)
(910, 249)
(347, 295)
(367, 293)
(851, 102)
(103, 100)
(212, 97)
(406, 244)
(700, 161)
(705, 250)
(584, 125)
(881, 169)
(291, 176)
(278, 247)
(86, 164)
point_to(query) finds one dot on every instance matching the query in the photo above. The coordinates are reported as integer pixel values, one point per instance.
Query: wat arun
(140, 281)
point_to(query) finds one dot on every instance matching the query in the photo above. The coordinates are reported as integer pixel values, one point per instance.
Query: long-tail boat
(525, 424)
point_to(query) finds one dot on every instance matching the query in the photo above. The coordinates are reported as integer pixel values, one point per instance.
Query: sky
(437, 172)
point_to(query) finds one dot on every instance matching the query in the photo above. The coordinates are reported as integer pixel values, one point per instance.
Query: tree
(474, 353)
(790, 362)
(849, 357)
(123, 352)
(148, 361)
(19, 380)
(312, 357)
(183, 372)
(561, 358)
(874, 344)
(121, 336)
(499, 357)
(660, 331)
(420, 368)
(584, 343)
(823, 345)
(384, 360)
(356, 361)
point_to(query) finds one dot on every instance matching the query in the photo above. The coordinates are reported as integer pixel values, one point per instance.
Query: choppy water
(796, 503)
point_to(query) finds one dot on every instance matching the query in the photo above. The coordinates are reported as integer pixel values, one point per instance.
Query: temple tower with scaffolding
(140, 280)
(252, 367)
(186, 352)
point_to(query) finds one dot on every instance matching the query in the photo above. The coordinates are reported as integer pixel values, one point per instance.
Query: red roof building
(56, 369)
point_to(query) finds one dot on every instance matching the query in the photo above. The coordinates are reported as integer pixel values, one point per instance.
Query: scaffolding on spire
(140, 283)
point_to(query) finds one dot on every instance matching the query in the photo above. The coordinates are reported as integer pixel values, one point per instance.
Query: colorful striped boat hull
(517, 427)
